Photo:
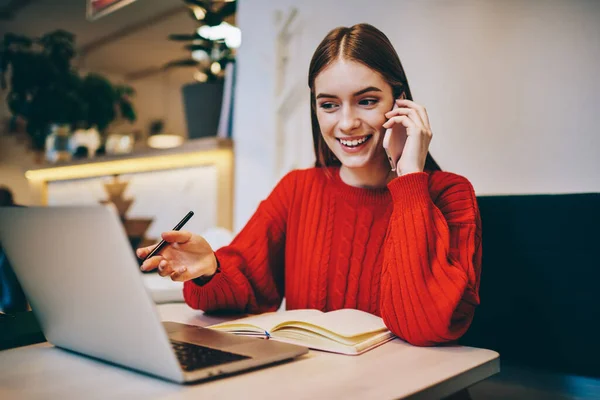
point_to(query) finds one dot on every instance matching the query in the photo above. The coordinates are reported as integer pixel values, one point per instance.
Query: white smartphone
(393, 145)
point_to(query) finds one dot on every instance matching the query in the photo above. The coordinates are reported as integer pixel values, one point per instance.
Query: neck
(368, 177)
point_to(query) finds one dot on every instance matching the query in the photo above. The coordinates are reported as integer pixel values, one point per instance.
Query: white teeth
(353, 143)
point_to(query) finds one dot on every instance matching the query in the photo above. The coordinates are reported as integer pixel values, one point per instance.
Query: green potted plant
(104, 102)
(45, 90)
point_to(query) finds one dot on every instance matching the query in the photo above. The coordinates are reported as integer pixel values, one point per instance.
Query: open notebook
(345, 331)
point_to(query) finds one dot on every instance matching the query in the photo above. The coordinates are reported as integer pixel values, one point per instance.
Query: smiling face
(351, 102)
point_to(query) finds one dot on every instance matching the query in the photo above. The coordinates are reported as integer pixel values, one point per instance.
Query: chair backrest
(12, 298)
(540, 282)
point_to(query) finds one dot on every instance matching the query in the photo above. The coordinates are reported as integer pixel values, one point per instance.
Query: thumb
(177, 236)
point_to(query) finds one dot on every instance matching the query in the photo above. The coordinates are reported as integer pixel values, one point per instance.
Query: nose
(348, 120)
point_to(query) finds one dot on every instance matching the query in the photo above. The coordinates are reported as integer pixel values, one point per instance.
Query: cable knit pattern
(410, 253)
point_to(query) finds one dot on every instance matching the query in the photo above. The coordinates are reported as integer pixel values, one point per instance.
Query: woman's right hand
(187, 256)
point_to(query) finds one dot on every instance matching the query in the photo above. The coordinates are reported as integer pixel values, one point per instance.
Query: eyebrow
(365, 90)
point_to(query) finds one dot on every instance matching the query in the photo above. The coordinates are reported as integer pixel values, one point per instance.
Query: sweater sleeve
(252, 266)
(432, 261)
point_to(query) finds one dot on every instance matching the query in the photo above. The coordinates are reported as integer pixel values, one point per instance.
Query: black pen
(162, 243)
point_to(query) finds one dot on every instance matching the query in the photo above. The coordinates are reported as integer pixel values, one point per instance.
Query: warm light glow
(129, 165)
(164, 141)
(200, 76)
(215, 68)
(199, 12)
(231, 34)
(201, 56)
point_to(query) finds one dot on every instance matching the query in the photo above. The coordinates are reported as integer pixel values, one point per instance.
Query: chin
(355, 162)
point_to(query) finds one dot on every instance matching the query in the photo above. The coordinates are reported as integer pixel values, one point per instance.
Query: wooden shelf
(215, 152)
(193, 152)
(190, 146)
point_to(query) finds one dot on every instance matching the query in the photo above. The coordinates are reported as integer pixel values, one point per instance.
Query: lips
(354, 142)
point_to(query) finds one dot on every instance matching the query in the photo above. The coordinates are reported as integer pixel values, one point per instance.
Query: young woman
(404, 244)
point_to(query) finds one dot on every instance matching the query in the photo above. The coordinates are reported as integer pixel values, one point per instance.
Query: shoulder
(443, 180)
(454, 195)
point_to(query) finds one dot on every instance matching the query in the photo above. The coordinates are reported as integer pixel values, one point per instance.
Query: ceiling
(130, 42)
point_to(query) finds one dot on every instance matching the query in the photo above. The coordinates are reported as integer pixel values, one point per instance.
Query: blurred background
(159, 107)
(88, 86)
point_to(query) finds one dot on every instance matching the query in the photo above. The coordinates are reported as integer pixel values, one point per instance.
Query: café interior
(155, 108)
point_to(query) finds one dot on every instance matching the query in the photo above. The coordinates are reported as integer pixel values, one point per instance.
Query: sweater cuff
(411, 189)
(205, 297)
(226, 289)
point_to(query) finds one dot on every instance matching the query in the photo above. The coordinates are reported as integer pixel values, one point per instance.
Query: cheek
(376, 118)
(326, 123)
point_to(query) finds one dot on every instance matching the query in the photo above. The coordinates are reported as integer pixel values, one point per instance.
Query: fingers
(409, 112)
(165, 268)
(418, 108)
(180, 274)
(403, 120)
(144, 251)
(177, 236)
(151, 263)
(170, 236)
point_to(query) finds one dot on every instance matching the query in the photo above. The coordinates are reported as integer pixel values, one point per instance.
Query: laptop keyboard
(193, 357)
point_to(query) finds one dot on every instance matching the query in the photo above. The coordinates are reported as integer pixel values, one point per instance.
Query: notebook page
(322, 343)
(267, 321)
(346, 322)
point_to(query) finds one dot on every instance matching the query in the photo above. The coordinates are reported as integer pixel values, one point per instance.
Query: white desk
(393, 370)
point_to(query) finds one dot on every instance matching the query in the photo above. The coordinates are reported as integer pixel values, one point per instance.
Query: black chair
(540, 282)
(18, 326)
(12, 298)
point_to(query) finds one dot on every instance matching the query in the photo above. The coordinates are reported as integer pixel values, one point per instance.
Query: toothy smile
(354, 142)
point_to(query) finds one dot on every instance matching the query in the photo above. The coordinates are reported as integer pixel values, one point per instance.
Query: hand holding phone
(407, 136)
(394, 140)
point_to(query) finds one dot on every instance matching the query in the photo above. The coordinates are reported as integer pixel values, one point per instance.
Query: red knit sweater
(410, 253)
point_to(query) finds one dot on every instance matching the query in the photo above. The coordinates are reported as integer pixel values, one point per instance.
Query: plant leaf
(186, 37)
(194, 47)
(188, 62)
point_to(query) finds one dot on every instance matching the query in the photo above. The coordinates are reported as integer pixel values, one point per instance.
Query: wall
(159, 97)
(511, 87)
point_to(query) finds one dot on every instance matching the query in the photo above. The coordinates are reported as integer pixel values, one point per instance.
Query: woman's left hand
(410, 119)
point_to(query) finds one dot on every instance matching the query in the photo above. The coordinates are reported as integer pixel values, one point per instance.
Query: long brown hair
(367, 45)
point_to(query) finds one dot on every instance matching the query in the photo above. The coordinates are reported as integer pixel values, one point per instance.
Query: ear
(402, 96)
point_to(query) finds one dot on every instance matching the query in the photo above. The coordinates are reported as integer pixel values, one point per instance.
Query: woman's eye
(368, 102)
(327, 106)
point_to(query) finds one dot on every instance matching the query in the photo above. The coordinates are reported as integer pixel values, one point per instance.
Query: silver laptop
(82, 280)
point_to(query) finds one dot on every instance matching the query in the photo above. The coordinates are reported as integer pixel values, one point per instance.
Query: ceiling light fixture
(199, 12)
(200, 76)
(164, 141)
(215, 68)
(231, 34)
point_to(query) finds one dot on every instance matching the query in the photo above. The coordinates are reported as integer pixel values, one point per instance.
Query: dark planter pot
(202, 106)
